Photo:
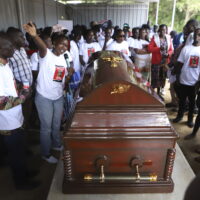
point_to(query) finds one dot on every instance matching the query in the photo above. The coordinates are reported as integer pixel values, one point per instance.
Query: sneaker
(190, 124)
(162, 91)
(58, 148)
(50, 159)
(79, 99)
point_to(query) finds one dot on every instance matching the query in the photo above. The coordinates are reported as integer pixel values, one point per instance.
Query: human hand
(70, 71)
(30, 29)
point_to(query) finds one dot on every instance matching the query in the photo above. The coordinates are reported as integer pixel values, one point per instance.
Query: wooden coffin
(120, 139)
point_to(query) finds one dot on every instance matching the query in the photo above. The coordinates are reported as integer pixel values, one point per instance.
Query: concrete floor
(8, 192)
(182, 176)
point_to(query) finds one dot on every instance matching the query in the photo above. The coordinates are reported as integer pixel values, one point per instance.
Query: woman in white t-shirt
(34, 59)
(142, 56)
(88, 48)
(107, 40)
(49, 91)
(74, 51)
(119, 44)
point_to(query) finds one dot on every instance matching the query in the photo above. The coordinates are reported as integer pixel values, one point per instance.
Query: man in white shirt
(189, 61)
(11, 118)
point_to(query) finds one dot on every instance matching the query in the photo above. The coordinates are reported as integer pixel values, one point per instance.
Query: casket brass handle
(102, 162)
(137, 172)
(102, 176)
(91, 177)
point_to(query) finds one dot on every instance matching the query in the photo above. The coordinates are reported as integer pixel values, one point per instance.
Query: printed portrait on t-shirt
(90, 51)
(194, 61)
(59, 73)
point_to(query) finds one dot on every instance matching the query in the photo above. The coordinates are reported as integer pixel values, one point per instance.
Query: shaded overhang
(116, 2)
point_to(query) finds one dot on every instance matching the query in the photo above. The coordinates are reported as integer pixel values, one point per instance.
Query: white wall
(42, 12)
(134, 15)
(48, 12)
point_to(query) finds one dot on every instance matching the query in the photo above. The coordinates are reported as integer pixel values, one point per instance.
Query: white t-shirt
(34, 61)
(51, 77)
(122, 47)
(142, 60)
(12, 118)
(86, 50)
(101, 42)
(132, 42)
(81, 41)
(190, 57)
(74, 51)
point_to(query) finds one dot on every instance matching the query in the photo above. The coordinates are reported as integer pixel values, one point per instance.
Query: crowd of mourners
(41, 71)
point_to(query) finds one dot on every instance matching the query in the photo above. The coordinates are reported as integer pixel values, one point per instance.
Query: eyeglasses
(121, 36)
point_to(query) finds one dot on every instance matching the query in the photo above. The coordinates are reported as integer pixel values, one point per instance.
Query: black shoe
(190, 124)
(188, 137)
(29, 152)
(177, 119)
(196, 111)
(31, 173)
(26, 184)
(197, 159)
(197, 150)
(169, 105)
(174, 109)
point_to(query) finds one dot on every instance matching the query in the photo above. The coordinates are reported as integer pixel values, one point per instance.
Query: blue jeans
(50, 114)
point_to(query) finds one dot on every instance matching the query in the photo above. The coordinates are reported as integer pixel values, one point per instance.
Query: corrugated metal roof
(117, 2)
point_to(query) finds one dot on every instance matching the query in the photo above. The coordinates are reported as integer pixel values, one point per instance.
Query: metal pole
(57, 10)
(157, 10)
(44, 13)
(173, 14)
(147, 19)
(19, 14)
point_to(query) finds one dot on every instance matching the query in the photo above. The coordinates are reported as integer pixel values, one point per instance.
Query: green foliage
(185, 10)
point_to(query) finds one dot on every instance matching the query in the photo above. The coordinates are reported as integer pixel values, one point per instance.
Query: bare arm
(8, 102)
(141, 51)
(30, 28)
(81, 60)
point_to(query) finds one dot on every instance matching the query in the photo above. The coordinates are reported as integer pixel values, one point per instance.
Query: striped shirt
(21, 66)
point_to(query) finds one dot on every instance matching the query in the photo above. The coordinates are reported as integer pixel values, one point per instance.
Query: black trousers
(15, 146)
(186, 92)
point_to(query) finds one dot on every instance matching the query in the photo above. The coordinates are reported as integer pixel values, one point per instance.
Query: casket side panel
(152, 152)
